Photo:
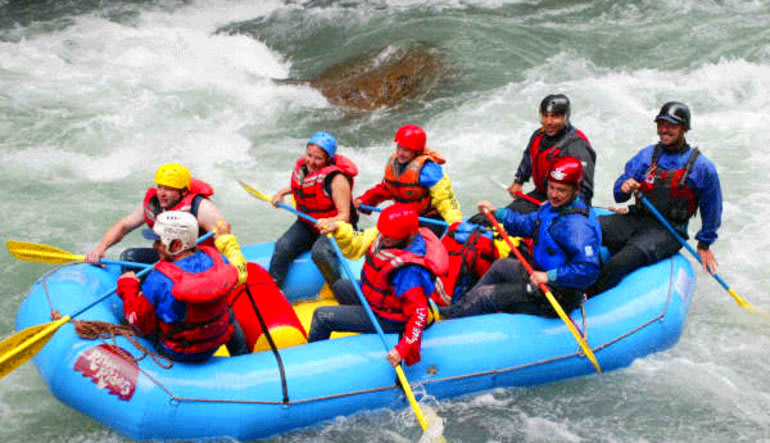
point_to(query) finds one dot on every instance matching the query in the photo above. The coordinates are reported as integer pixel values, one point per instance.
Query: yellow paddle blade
(23, 345)
(410, 396)
(36, 252)
(254, 192)
(432, 432)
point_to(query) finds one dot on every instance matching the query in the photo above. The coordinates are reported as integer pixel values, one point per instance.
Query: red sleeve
(416, 309)
(376, 195)
(139, 312)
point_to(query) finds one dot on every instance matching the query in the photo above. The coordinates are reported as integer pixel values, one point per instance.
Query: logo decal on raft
(107, 368)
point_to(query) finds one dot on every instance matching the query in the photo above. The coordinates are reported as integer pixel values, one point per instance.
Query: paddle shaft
(528, 198)
(551, 299)
(743, 303)
(378, 328)
(428, 220)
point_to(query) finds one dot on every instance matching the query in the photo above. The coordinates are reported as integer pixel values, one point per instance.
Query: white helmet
(173, 225)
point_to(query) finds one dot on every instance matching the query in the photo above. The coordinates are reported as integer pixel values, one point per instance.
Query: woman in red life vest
(399, 274)
(413, 176)
(321, 184)
(175, 190)
(182, 303)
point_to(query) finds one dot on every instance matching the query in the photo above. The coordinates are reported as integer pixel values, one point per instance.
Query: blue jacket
(410, 276)
(157, 288)
(703, 179)
(576, 237)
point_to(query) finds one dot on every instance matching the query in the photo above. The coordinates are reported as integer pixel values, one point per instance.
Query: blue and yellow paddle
(741, 302)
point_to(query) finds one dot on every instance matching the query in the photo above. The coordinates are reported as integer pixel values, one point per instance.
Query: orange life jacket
(380, 263)
(405, 187)
(208, 323)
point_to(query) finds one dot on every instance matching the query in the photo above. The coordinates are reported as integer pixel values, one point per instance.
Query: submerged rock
(382, 79)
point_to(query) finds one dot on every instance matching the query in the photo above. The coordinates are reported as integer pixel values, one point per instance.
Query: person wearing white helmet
(182, 304)
(175, 190)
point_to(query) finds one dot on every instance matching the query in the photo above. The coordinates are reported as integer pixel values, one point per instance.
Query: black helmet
(675, 112)
(555, 103)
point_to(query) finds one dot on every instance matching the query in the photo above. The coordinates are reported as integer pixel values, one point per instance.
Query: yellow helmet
(173, 175)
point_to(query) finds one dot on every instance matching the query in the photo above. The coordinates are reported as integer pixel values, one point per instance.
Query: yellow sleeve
(502, 247)
(229, 247)
(444, 200)
(354, 244)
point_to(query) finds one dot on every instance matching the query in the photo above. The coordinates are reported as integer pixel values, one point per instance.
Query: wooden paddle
(554, 303)
(399, 370)
(39, 253)
(25, 344)
(741, 302)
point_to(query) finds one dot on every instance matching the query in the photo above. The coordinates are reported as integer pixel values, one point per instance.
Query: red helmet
(411, 137)
(567, 171)
(398, 221)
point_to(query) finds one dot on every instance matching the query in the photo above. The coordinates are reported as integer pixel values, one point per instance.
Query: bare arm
(278, 197)
(341, 195)
(209, 217)
(116, 233)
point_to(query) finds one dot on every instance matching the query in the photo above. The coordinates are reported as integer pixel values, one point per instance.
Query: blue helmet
(325, 141)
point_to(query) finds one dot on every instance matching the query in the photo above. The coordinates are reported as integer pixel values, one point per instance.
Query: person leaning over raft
(182, 304)
(399, 274)
(413, 176)
(321, 183)
(678, 180)
(567, 238)
(555, 138)
(175, 190)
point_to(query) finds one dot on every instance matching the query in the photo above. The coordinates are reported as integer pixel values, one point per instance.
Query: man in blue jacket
(566, 237)
(678, 180)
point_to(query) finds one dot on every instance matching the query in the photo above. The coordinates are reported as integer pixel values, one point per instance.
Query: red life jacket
(187, 204)
(208, 323)
(668, 191)
(541, 160)
(312, 191)
(380, 263)
(405, 187)
(468, 261)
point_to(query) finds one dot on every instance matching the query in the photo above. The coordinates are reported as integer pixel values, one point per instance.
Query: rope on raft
(108, 332)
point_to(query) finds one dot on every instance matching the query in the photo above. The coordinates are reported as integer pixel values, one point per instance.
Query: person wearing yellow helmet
(175, 190)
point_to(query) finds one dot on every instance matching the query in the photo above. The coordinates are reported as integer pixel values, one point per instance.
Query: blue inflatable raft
(242, 397)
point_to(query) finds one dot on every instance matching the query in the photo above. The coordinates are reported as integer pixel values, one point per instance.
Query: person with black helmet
(565, 254)
(677, 180)
(554, 139)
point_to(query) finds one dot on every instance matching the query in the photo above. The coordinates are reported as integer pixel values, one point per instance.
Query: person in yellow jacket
(175, 190)
(414, 176)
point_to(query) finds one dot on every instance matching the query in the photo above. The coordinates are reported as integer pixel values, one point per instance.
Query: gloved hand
(228, 245)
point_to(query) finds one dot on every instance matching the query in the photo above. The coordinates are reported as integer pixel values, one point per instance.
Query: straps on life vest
(668, 191)
(541, 161)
